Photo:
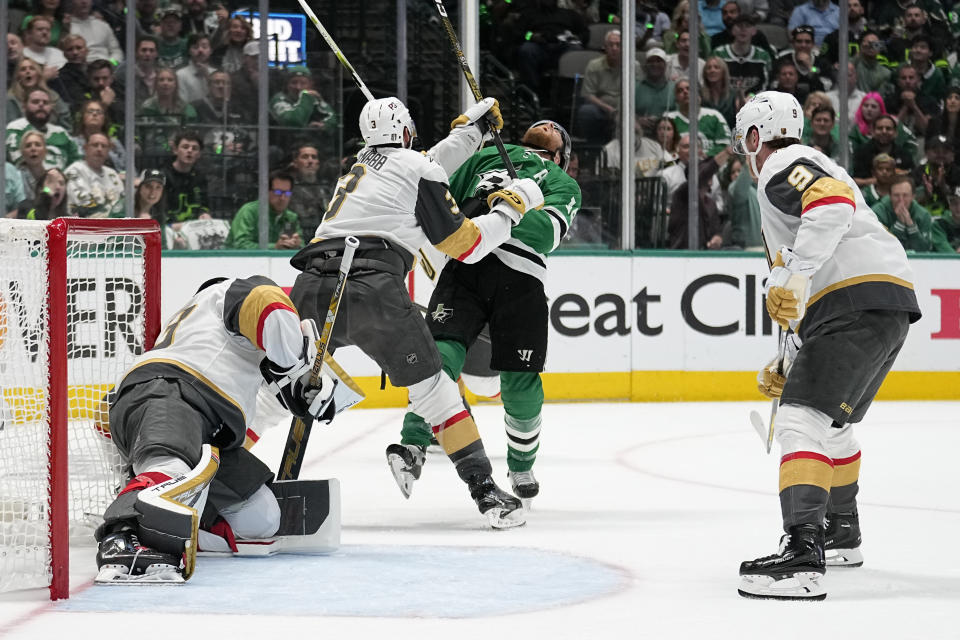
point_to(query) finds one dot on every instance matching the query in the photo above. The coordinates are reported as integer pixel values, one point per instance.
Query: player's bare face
(544, 137)
(752, 144)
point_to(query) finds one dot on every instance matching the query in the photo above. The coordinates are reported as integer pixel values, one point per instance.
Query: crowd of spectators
(196, 75)
(903, 102)
(196, 72)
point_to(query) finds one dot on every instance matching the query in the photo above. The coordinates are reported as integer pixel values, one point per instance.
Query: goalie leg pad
(170, 511)
(256, 517)
(309, 522)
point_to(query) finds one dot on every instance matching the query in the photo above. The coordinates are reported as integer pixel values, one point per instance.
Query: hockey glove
(788, 288)
(488, 107)
(289, 383)
(521, 195)
(773, 376)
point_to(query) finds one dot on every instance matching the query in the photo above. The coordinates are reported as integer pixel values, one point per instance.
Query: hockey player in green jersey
(504, 289)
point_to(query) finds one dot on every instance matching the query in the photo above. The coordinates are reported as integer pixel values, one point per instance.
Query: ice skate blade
(799, 586)
(500, 520)
(155, 574)
(404, 478)
(527, 504)
(844, 558)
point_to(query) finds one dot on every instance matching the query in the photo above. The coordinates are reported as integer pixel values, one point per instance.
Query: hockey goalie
(183, 419)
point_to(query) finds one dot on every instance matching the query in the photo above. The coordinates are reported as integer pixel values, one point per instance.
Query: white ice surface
(645, 513)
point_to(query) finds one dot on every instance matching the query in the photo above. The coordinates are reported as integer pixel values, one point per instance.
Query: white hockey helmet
(774, 114)
(383, 121)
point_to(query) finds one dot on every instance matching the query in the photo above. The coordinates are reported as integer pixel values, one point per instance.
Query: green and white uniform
(504, 290)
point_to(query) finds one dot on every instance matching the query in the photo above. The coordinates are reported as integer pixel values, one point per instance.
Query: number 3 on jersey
(800, 178)
(346, 184)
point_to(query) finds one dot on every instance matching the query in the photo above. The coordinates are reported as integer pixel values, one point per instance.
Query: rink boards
(648, 326)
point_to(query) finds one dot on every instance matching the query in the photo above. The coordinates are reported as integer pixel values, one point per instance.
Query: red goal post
(79, 300)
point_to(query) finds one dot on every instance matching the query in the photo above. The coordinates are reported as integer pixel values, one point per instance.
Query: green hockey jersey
(540, 231)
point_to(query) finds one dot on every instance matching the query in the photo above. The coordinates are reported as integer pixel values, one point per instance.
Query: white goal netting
(105, 326)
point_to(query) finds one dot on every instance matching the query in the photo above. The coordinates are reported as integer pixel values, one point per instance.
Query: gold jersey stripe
(461, 241)
(460, 434)
(849, 282)
(844, 474)
(805, 471)
(256, 302)
(826, 187)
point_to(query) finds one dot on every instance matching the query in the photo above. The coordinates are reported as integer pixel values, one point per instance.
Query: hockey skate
(503, 511)
(123, 560)
(525, 486)
(841, 544)
(793, 573)
(406, 462)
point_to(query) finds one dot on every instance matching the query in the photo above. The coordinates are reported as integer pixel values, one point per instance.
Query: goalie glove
(521, 195)
(290, 384)
(788, 288)
(488, 107)
(773, 376)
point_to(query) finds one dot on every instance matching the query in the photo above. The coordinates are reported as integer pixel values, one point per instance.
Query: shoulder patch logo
(441, 314)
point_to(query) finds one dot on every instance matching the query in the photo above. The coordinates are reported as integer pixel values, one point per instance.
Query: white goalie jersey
(811, 205)
(216, 342)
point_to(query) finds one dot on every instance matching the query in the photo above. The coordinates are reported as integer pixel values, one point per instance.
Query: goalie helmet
(567, 145)
(383, 122)
(774, 114)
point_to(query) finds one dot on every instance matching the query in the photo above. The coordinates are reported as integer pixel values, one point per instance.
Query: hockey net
(79, 300)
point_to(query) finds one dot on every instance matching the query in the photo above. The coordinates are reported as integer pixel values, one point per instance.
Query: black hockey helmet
(567, 145)
(210, 283)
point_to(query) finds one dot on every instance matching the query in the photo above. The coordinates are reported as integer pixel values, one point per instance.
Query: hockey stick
(472, 83)
(296, 446)
(336, 50)
(766, 432)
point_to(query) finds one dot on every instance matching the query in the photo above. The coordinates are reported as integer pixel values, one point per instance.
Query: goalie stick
(766, 432)
(299, 433)
(472, 83)
(336, 50)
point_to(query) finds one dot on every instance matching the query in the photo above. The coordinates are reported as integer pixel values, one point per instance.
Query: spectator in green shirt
(284, 231)
(904, 218)
(654, 93)
(946, 228)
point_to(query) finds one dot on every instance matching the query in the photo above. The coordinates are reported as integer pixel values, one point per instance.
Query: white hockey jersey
(216, 342)
(810, 204)
(402, 196)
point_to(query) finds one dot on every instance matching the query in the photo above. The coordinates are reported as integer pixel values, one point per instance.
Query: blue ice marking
(372, 581)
